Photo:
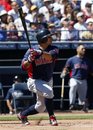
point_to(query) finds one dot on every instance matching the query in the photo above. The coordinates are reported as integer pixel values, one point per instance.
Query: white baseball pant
(43, 90)
(79, 87)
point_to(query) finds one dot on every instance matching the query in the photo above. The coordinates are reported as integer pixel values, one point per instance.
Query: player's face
(81, 50)
(46, 42)
(49, 40)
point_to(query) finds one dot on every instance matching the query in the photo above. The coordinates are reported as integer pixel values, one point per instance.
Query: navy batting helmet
(42, 35)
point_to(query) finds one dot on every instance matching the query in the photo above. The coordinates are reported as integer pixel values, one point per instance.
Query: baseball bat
(62, 93)
(24, 25)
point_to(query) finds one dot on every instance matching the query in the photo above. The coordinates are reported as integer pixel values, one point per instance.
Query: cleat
(23, 119)
(53, 120)
(71, 107)
(85, 109)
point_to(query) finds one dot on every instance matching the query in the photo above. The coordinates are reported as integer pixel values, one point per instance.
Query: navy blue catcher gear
(42, 35)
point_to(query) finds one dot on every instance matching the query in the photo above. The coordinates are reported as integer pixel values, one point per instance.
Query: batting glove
(31, 58)
(36, 52)
(62, 75)
(39, 52)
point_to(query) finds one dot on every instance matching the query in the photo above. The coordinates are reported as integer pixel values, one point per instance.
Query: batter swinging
(39, 63)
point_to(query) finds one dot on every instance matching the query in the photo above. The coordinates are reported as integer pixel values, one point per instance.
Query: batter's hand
(62, 75)
(34, 54)
(31, 58)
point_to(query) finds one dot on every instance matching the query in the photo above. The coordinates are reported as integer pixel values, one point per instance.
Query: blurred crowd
(71, 20)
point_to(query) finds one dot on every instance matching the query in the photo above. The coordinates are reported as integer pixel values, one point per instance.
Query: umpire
(39, 63)
(79, 67)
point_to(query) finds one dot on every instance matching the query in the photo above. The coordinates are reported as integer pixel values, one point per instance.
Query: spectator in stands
(80, 25)
(58, 4)
(51, 13)
(68, 10)
(75, 3)
(10, 94)
(2, 33)
(26, 5)
(56, 19)
(83, 3)
(65, 35)
(12, 33)
(10, 19)
(20, 3)
(19, 25)
(74, 34)
(88, 10)
(41, 22)
(74, 15)
(14, 10)
(52, 29)
(88, 34)
(1, 8)
(34, 12)
(41, 18)
(63, 3)
(3, 16)
(3, 24)
(6, 4)
(91, 18)
(45, 9)
(38, 3)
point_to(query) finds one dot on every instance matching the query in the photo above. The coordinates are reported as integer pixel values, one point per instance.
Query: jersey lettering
(82, 66)
(41, 61)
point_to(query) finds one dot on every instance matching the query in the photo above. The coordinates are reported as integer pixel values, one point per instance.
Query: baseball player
(39, 63)
(79, 67)
(10, 96)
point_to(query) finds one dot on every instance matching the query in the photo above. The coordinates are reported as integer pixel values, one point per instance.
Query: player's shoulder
(10, 90)
(72, 58)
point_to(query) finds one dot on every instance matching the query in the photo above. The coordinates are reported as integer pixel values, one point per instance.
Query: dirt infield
(84, 124)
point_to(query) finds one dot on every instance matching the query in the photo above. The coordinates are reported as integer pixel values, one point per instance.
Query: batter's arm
(9, 105)
(64, 72)
(52, 54)
(66, 69)
(26, 64)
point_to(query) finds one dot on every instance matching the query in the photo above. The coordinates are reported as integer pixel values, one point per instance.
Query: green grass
(59, 117)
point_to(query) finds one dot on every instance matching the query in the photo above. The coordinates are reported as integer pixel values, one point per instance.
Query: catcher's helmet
(42, 35)
(16, 78)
